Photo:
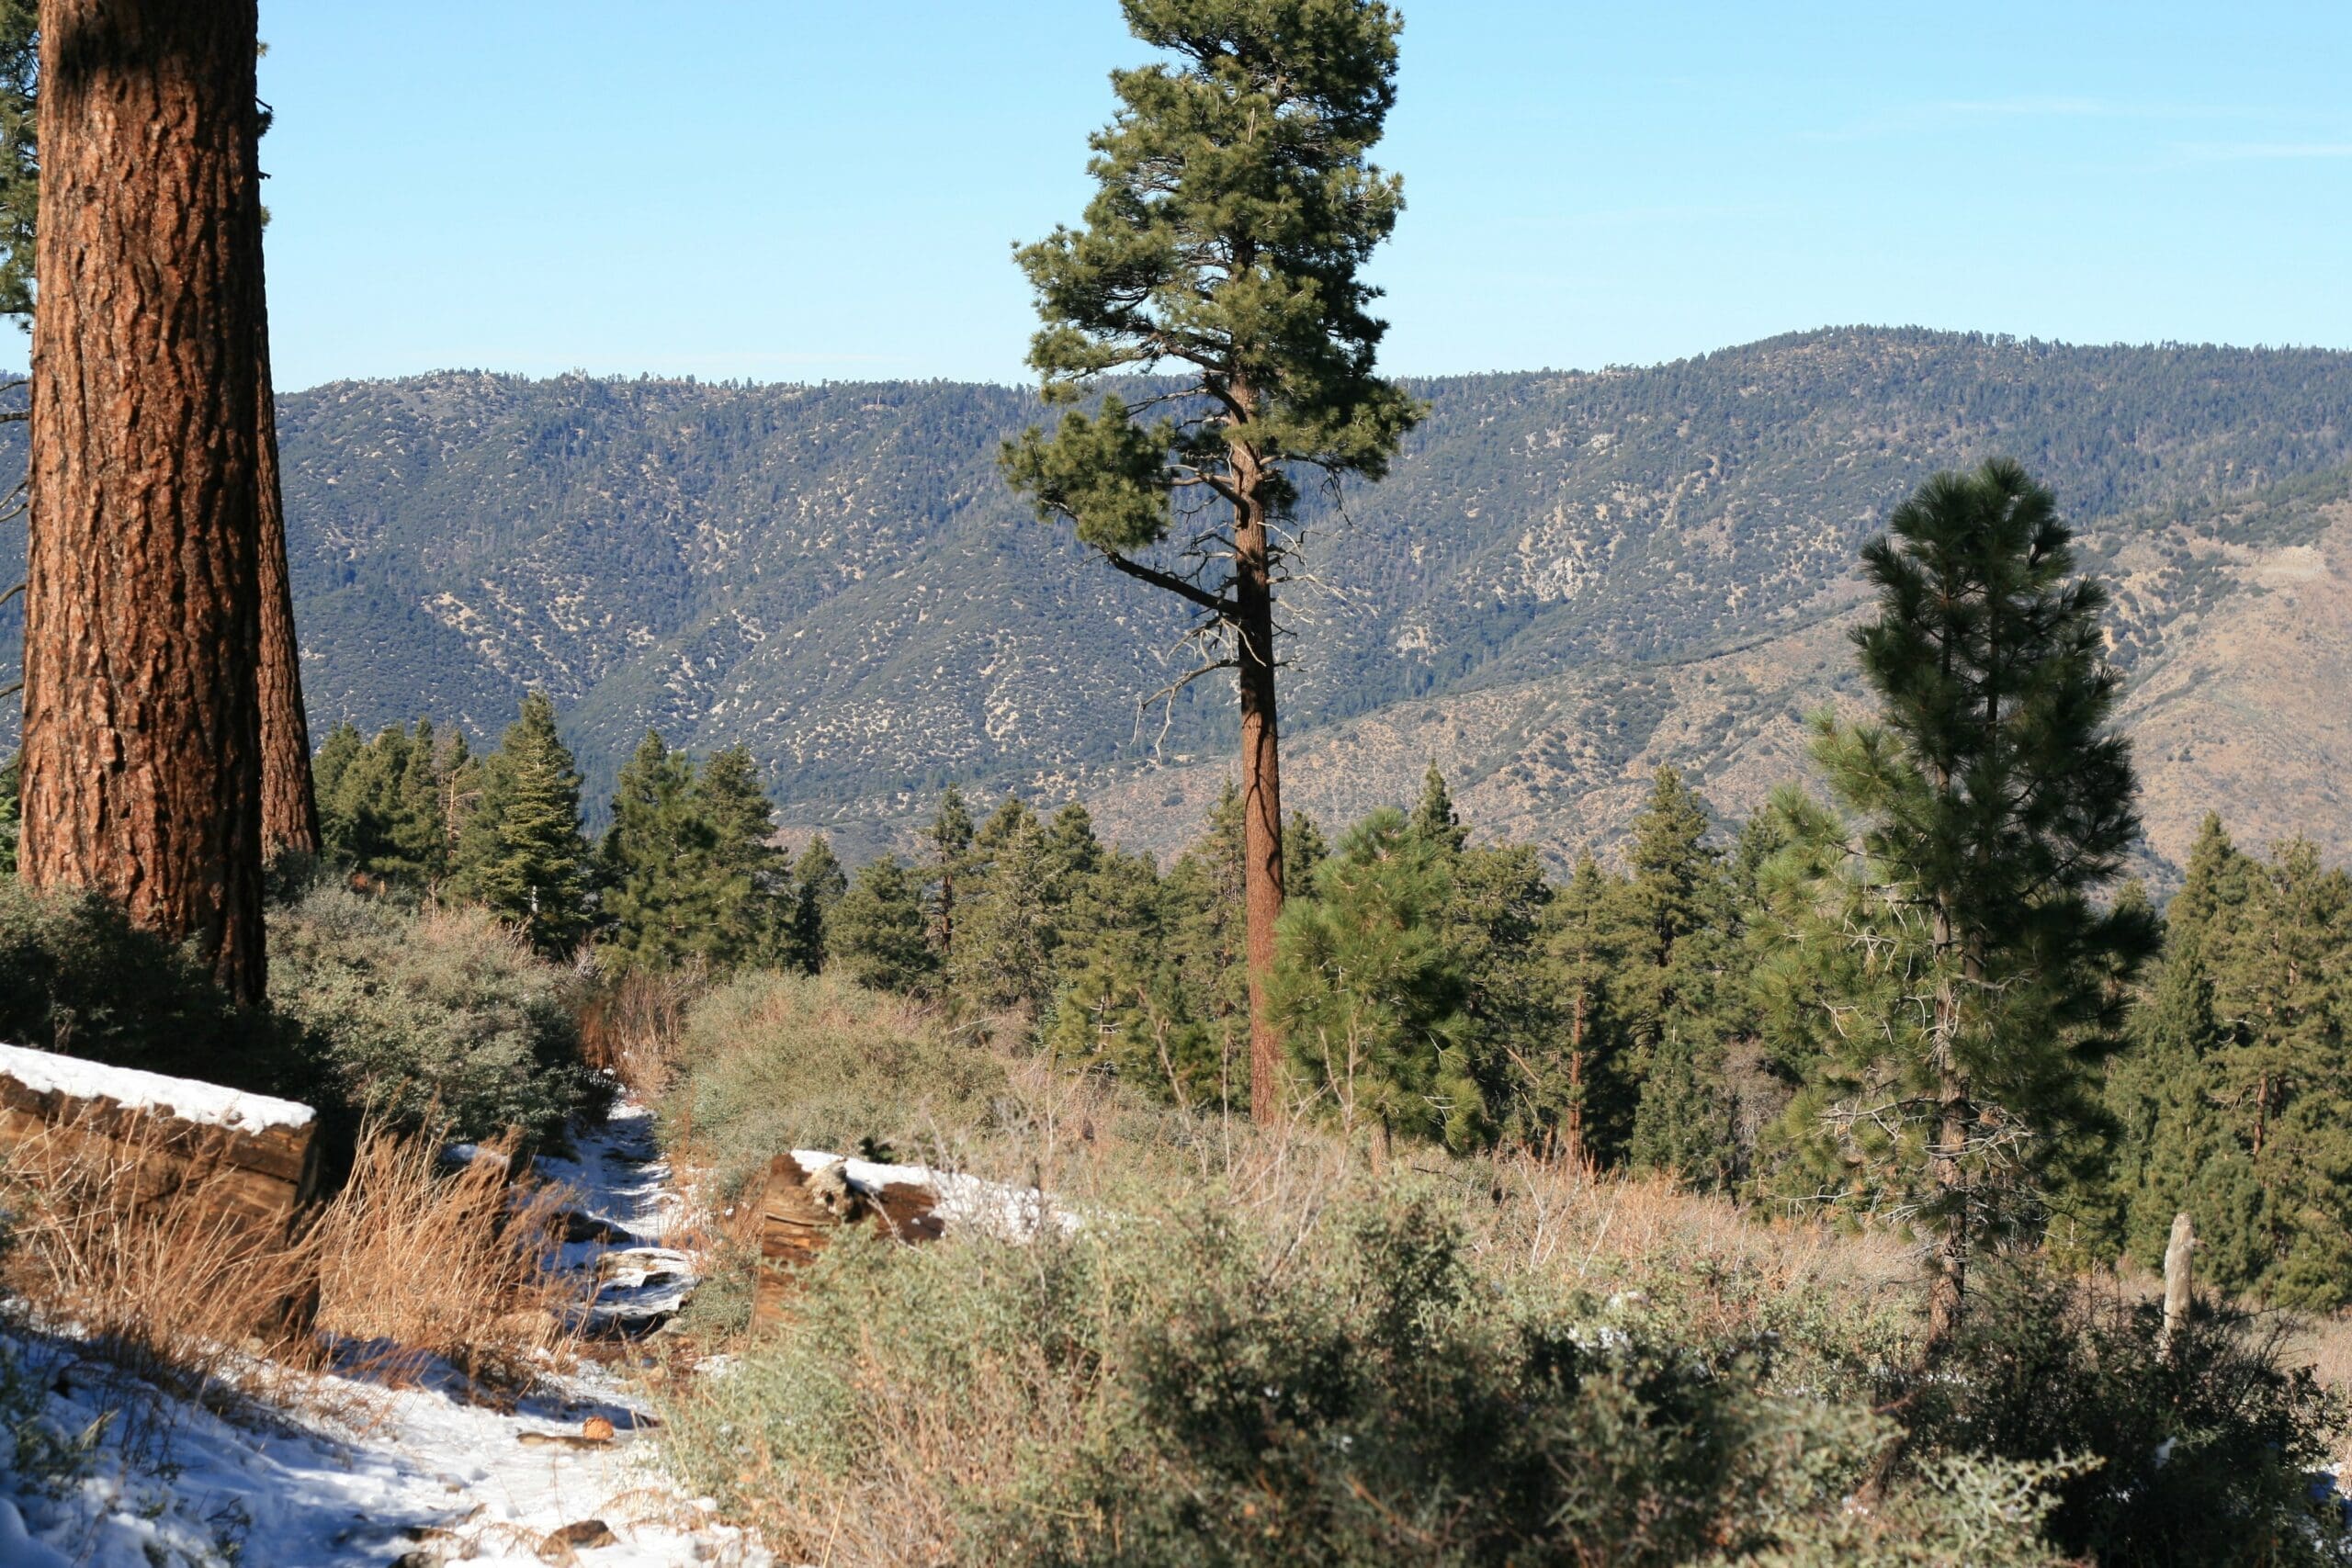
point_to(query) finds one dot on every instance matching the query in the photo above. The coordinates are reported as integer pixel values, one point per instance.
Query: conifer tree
(1574, 1101)
(19, 154)
(1434, 820)
(1979, 977)
(1304, 849)
(949, 839)
(520, 853)
(878, 935)
(1679, 917)
(656, 863)
(1234, 212)
(1005, 955)
(377, 802)
(1367, 996)
(1118, 1008)
(755, 901)
(818, 883)
(1491, 921)
(1207, 941)
(1072, 854)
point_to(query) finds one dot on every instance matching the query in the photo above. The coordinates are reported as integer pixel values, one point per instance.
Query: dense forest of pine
(1638, 1013)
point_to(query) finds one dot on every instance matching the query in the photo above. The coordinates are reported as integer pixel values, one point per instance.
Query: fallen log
(809, 1198)
(252, 1161)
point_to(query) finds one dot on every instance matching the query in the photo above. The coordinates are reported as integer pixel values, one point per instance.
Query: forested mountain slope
(1576, 574)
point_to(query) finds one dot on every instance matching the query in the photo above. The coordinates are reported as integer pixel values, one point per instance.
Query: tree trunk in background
(290, 806)
(142, 772)
(1261, 803)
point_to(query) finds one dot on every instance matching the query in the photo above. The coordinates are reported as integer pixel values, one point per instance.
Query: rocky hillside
(1568, 577)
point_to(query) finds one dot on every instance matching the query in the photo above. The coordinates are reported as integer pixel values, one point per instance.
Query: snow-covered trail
(420, 1477)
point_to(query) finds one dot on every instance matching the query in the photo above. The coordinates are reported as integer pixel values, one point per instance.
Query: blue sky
(791, 191)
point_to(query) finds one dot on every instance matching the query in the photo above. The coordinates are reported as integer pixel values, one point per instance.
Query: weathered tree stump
(2178, 1266)
(804, 1202)
(250, 1159)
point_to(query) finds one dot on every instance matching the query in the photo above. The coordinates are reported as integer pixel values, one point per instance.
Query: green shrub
(435, 1013)
(1215, 1389)
(76, 977)
(772, 1062)
(2200, 1456)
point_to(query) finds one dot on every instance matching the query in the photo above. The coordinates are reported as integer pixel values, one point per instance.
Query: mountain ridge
(835, 575)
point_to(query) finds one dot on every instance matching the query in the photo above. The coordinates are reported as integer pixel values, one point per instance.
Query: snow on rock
(46, 1072)
(1016, 1213)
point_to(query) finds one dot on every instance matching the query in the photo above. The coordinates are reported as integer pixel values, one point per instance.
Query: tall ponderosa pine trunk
(290, 805)
(142, 766)
(1262, 778)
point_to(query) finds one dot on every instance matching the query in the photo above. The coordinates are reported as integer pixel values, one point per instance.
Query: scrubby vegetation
(1257, 1347)
(439, 1017)
(773, 1062)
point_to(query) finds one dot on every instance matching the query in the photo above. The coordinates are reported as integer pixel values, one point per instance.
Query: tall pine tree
(1978, 971)
(1234, 211)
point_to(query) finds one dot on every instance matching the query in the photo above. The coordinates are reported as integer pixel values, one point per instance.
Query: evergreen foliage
(2235, 1103)
(1005, 949)
(1970, 987)
(949, 840)
(1368, 996)
(19, 154)
(390, 808)
(1433, 820)
(878, 935)
(818, 883)
(1681, 939)
(521, 853)
(756, 899)
(657, 865)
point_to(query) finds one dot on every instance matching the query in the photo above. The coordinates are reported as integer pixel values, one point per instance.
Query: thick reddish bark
(290, 806)
(142, 733)
(1262, 798)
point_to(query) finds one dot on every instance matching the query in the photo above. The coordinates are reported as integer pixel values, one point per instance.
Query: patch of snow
(208, 1103)
(393, 1472)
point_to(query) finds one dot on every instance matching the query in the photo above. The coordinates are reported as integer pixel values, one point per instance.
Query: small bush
(772, 1062)
(76, 977)
(440, 1017)
(2200, 1456)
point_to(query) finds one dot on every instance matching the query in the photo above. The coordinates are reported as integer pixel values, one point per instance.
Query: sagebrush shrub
(772, 1062)
(2199, 1455)
(1209, 1389)
(440, 1016)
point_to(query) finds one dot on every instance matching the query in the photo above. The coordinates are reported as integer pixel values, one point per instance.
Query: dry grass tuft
(416, 1262)
(170, 1286)
(634, 1028)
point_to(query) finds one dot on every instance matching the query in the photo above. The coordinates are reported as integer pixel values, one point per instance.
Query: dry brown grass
(170, 1286)
(633, 1028)
(415, 1261)
(405, 1264)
